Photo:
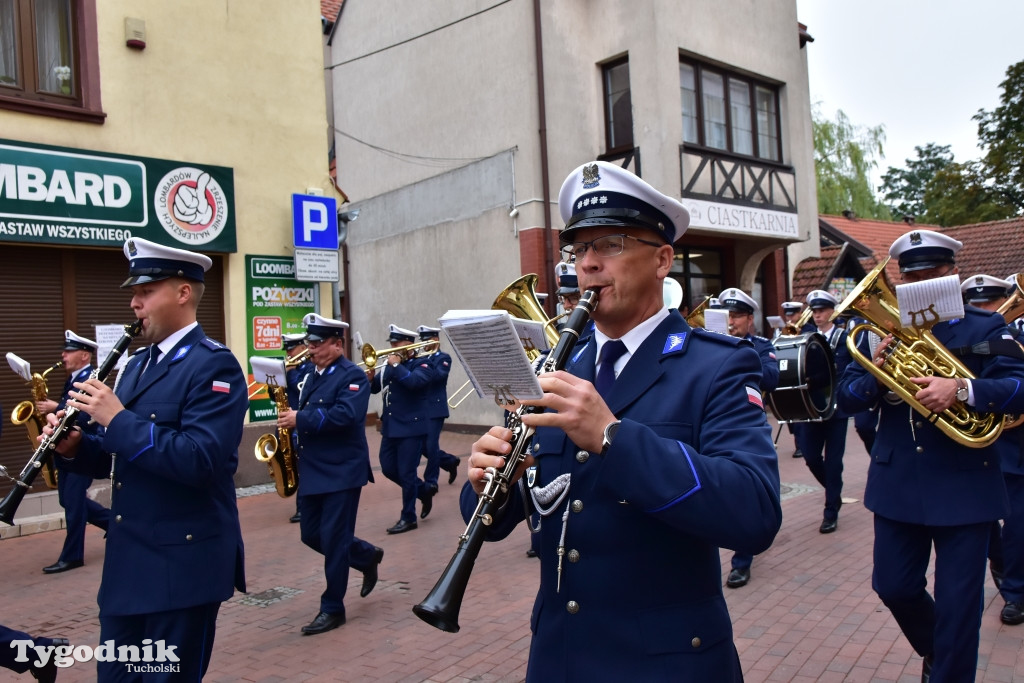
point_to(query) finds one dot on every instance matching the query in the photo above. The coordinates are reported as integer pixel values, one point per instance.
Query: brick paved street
(808, 614)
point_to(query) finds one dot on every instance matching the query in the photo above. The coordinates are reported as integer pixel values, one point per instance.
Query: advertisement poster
(275, 305)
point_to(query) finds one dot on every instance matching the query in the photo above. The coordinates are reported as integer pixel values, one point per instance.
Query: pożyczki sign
(73, 197)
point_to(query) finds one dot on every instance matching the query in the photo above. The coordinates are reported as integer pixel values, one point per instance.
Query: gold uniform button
(695, 642)
(582, 456)
(574, 555)
(572, 606)
(577, 506)
(919, 449)
(118, 519)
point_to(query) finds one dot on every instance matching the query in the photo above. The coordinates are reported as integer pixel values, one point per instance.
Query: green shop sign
(57, 195)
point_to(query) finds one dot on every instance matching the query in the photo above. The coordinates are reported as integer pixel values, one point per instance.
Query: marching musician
(334, 466)
(1006, 543)
(437, 409)
(73, 488)
(639, 485)
(568, 289)
(927, 489)
(790, 315)
(174, 547)
(741, 309)
(295, 345)
(823, 442)
(404, 381)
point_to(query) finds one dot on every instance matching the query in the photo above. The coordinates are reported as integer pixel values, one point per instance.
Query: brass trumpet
(371, 355)
(915, 352)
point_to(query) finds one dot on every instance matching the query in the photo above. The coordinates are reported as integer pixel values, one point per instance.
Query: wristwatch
(962, 393)
(609, 434)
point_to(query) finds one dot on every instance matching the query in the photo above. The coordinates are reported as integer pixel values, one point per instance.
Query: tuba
(27, 414)
(915, 352)
(1013, 307)
(520, 300)
(277, 449)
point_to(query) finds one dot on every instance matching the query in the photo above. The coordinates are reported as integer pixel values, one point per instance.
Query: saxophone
(276, 449)
(27, 414)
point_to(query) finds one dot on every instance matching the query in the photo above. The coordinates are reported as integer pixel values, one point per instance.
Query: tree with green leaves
(1001, 135)
(844, 156)
(960, 194)
(904, 188)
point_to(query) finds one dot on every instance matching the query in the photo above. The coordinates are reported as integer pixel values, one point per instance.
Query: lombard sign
(55, 195)
(741, 219)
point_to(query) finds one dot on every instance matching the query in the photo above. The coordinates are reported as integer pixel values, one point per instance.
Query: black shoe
(926, 669)
(1012, 614)
(61, 566)
(798, 453)
(828, 526)
(324, 622)
(453, 469)
(370, 573)
(48, 672)
(427, 500)
(401, 526)
(296, 518)
(530, 552)
(738, 577)
(997, 575)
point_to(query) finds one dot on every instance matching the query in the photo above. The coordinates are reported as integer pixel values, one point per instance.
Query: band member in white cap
(174, 547)
(1006, 544)
(823, 442)
(294, 345)
(657, 440)
(437, 408)
(334, 466)
(73, 488)
(403, 381)
(927, 490)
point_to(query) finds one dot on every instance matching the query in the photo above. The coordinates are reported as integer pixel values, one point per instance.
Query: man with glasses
(654, 453)
(334, 466)
(924, 488)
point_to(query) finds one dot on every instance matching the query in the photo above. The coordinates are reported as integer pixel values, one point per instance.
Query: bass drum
(807, 379)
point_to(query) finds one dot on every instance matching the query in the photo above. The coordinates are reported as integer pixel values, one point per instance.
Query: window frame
(729, 78)
(84, 104)
(606, 69)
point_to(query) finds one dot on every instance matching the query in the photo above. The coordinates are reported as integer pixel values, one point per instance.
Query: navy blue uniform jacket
(692, 469)
(174, 539)
(933, 480)
(404, 413)
(330, 422)
(437, 390)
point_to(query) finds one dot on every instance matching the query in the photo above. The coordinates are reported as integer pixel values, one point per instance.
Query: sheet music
(922, 304)
(716, 320)
(20, 366)
(776, 322)
(267, 370)
(106, 336)
(488, 345)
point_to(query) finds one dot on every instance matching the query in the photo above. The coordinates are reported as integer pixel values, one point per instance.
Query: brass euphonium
(26, 413)
(1013, 307)
(277, 451)
(914, 352)
(696, 316)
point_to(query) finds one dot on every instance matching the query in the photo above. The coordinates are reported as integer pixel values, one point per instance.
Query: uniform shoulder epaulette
(710, 335)
(213, 345)
(764, 339)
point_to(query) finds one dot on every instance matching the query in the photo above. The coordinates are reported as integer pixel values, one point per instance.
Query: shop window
(48, 58)
(729, 112)
(618, 107)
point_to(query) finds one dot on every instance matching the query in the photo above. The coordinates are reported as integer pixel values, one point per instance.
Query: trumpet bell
(520, 300)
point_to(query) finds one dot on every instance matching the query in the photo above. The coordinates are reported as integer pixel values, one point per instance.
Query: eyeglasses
(316, 343)
(604, 247)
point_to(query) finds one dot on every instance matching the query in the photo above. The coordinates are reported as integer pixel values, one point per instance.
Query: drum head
(807, 379)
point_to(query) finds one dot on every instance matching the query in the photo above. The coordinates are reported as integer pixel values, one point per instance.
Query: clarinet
(46, 449)
(441, 607)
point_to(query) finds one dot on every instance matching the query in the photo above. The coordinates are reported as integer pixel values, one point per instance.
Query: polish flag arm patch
(222, 387)
(353, 387)
(754, 396)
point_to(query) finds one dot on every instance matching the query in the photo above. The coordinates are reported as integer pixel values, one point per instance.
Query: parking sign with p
(315, 221)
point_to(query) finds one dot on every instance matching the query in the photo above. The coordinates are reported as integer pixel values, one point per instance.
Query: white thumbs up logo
(190, 205)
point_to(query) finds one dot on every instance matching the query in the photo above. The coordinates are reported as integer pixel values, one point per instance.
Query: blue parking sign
(315, 221)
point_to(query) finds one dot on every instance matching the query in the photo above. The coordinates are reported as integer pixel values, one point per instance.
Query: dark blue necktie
(154, 353)
(610, 352)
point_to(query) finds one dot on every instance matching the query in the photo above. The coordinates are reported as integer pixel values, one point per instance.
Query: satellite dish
(673, 292)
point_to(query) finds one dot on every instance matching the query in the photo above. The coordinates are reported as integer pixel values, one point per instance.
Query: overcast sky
(921, 68)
